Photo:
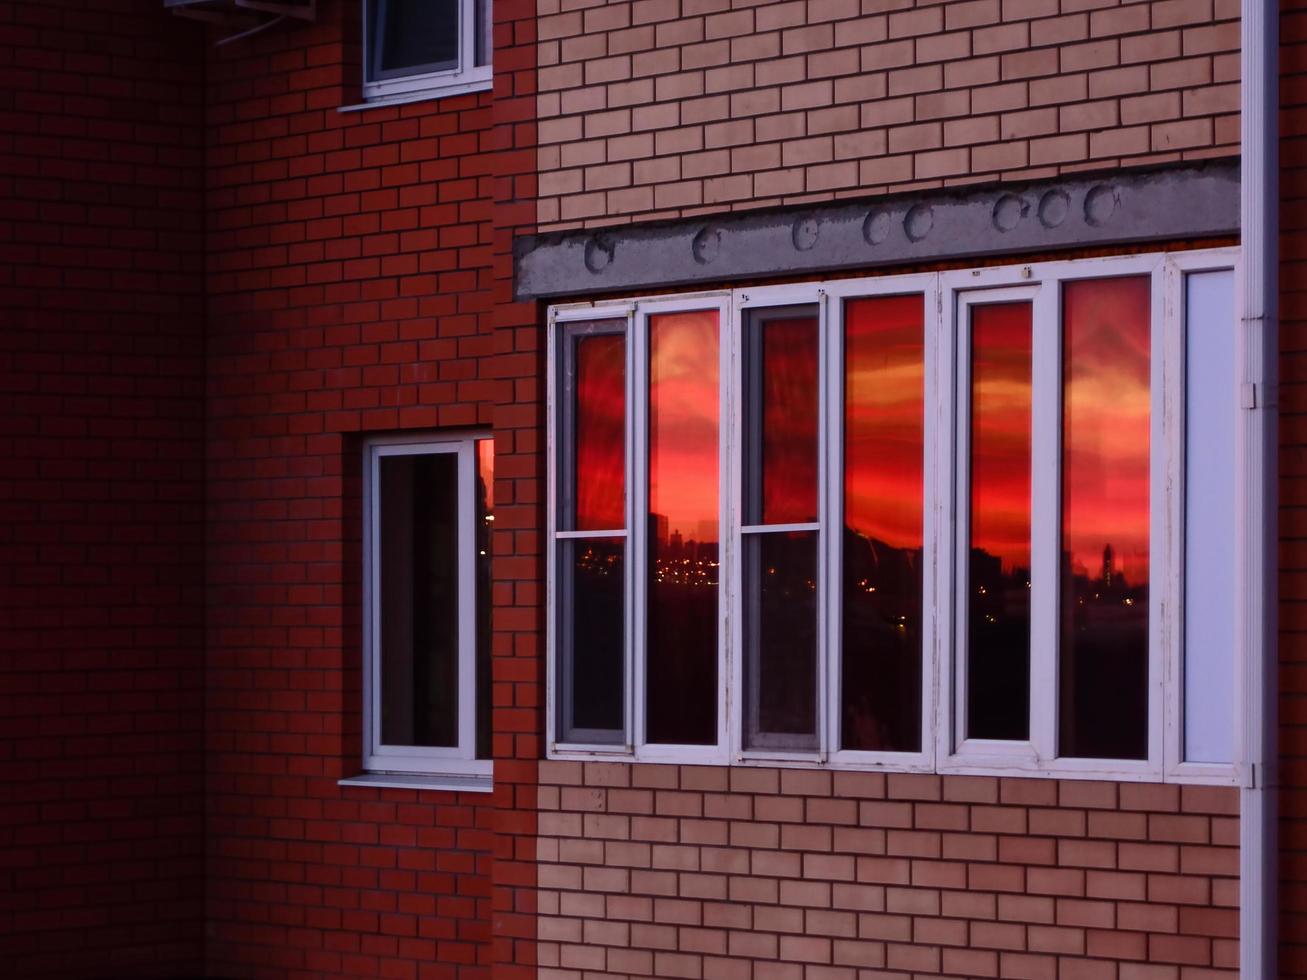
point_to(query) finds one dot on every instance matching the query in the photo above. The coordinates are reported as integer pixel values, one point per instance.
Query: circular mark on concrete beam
(875, 229)
(599, 251)
(918, 222)
(805, 232)
(1054, 206)
(1100, 204)
(1008, 212)
(707, 244)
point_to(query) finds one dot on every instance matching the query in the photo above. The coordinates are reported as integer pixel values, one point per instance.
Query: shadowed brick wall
(662, 108)
(101, 490)
(1293, 482)
(718, 874)
(349, 292)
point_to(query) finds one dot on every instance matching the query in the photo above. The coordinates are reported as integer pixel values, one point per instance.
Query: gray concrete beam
(1171, 203)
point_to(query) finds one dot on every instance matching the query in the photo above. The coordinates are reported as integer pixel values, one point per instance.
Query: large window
(425, 47)
(977, 521)
(428, 517)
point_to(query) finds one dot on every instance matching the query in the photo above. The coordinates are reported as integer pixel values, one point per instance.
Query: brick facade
(1293, 531)
(712, 873)
(101, 487)
(661, 108)
(221, 284)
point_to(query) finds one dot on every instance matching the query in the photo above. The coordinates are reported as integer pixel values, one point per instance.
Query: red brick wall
(357, 283)
(1293, 502)
(101, 345)
(724, 874)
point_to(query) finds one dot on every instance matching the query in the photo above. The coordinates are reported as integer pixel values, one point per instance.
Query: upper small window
(425, 47)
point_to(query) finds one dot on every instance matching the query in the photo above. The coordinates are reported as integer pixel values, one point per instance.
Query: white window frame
(409, 760)
(465, 76)
(947, 297)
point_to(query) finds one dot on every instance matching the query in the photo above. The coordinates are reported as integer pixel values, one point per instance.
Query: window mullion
(1045, 573)
(467, 691)
(637, 442)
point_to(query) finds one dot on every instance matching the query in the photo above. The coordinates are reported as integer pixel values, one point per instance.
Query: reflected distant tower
(659, 522)
(1109, 560)
(676, 542)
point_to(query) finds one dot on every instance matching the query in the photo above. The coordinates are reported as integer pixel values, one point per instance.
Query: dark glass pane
(781, 421)
(780, 637)
(884, 377)
(600, 432)
(418, 509)
(417, 34)
(590, 624)
(998, 639)
(484, 492)
(681, 659)
(1103, 668)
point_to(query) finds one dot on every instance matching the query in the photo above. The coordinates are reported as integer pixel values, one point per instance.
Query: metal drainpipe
(1259, 871)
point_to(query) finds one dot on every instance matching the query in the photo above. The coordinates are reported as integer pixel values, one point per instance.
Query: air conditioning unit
(246, 16)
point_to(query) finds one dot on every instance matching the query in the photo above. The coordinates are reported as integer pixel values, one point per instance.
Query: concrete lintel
(1169, 203)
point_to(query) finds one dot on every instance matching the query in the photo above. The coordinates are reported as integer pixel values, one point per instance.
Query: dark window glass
(591, 620)
(418, 559)
(780, 635)
(599, 413)
(884, 377)
(781, 356)
(484, 495)
(413, 36)
(998, 585)
(681, 659)
(1103, 657)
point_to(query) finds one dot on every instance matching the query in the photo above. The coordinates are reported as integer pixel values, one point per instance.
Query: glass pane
(418, 516)
(781, 421)
(1103, 657)
(780, 637)
(998, 581)
(484, 495)
(590, 621)
(417, 34)
(600, 432)
(1211, 418)
(681, 659)
(884, 377)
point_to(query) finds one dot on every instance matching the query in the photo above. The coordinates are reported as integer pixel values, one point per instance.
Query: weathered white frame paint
(947, 299)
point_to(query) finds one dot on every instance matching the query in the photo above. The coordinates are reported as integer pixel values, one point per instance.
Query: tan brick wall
(725, 874)
(666, 108)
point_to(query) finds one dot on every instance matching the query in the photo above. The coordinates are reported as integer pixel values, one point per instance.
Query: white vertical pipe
(1258, 878)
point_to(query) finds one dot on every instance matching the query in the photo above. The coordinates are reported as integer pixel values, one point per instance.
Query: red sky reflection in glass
(884, 359)
(1000, 432)
(998, 570)
(683, 421)
(600, 432)
(884, 377)
(1103, 651)
(1105, 424)
(681, 631)
(789, 423)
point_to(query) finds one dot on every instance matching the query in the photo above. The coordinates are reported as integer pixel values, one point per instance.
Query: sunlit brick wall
(716, 874)
(661, 108)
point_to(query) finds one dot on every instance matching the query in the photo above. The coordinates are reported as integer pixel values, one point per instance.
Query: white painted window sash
(948, 298)
(379, 757)
(465, 76)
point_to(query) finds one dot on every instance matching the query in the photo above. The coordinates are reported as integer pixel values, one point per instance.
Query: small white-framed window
(428, 516)
(413, 48)
(977, 521)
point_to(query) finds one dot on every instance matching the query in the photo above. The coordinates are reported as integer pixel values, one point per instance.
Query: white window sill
(407, 780)
(421, 95)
